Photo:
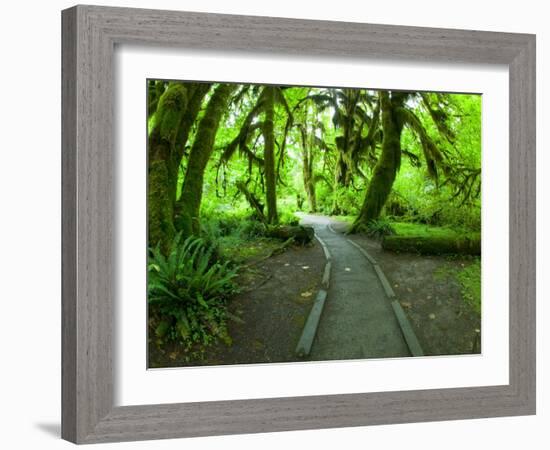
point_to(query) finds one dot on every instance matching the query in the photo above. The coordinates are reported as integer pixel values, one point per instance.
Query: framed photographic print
(265, 229)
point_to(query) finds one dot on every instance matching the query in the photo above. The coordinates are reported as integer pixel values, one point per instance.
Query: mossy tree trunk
(386, 168)
(269, 155)
(197, 92)
(189, 203)
(162, 140)
(155, 89)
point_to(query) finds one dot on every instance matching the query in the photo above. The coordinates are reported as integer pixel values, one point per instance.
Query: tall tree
(389, 161)
(172, 109)
(264, 107)
(269, 155)
(188, 221)
(308, 158)
(162, 141)
(398, 111)
(309, 125)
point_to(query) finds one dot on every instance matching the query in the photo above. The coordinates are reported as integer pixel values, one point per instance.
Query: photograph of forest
(296, 223)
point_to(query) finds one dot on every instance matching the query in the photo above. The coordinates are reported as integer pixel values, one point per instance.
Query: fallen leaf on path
(306, 294)
(347, 269)
(406, 304)
(287, 264)
(409, 290)
(305, 267)
(432, 316)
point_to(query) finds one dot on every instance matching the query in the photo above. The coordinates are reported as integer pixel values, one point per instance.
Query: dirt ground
(269, 313)
(431, 297)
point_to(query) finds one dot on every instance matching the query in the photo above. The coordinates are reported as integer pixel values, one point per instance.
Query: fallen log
(433, 245)
(300, 234)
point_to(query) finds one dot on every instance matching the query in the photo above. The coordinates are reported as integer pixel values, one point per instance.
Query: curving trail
(358, 320)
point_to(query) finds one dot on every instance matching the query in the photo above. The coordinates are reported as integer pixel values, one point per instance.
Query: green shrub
(187, 291)
(229, 223)
(251, 228)
(239, 224)
(379, 228)
(288, 218)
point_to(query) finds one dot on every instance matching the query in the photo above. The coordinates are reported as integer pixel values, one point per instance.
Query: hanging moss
(432, 154)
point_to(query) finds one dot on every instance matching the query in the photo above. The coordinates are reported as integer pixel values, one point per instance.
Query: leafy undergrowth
(187, 290)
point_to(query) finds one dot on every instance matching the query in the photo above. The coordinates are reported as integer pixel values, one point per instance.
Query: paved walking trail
(357, 321)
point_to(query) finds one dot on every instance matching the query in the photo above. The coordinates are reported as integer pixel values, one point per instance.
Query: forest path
(358, 320)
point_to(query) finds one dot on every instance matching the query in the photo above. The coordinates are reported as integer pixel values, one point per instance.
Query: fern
(187, 290)
(379, 228)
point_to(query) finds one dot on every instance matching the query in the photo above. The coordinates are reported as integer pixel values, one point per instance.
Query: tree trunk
(342, 179)
(307, 168)
(160, 199)
(388, 164)
(269, 155)
(155, 89)
(195, 95)
(199, 91)
(309, 183)
(189, 204)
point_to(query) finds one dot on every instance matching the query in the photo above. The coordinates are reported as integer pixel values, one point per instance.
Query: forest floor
(275, 299)
(430, 294)
(277, 293)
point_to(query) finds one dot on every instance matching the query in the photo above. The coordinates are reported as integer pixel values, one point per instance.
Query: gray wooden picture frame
(89, 37)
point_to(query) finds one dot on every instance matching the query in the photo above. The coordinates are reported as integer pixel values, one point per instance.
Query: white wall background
(31, 239)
